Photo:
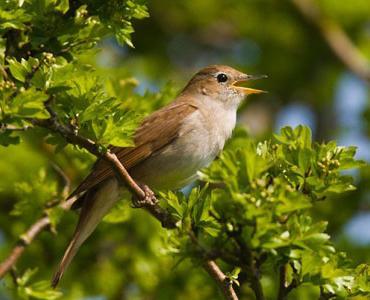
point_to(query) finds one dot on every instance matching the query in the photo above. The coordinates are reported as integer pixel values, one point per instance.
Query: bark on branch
(52, 124)
(27, 238)
(221, 279)
(223, 282)
(159, 213)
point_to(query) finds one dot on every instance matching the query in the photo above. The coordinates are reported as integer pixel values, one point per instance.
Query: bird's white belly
(176, 165)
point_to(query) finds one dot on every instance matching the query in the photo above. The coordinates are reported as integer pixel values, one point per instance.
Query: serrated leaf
(30, 103)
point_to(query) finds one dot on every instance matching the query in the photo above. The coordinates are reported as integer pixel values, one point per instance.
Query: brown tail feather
(66, 260)
(95, 206)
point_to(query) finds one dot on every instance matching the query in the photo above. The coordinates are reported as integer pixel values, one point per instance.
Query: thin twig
(66, 181)
(249, 264)
(324, 295)
(27, 238)
(13, 274)
(3, 72)
(222, 280)
(282, 283)
(336, 38)
(159, 213)
(285, 289)
(6, 127)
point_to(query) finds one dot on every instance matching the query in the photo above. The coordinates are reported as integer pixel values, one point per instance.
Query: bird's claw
(148, 200)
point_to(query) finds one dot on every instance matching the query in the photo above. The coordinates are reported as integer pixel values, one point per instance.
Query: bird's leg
(148, 200)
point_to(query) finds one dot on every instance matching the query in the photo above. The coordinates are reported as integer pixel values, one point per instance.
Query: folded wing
(157, 130)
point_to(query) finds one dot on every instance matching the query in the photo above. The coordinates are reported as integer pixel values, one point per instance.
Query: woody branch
(152, 207)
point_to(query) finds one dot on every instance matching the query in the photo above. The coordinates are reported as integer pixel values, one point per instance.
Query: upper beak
(244, 78)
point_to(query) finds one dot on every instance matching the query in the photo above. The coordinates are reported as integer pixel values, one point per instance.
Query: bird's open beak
(245, 78)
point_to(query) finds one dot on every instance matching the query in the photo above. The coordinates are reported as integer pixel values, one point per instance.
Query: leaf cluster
(40, 43)
(254, 212)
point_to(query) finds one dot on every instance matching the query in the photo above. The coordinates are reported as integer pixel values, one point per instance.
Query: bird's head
(221, 83)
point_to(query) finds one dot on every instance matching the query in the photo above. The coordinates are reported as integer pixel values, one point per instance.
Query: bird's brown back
(156, 131)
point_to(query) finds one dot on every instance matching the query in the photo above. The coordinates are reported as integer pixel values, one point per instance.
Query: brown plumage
(171, 145)
(151, 136)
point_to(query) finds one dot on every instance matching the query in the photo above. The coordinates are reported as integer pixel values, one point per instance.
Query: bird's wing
(157, 130)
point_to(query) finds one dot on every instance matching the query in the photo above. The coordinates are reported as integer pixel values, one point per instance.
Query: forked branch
(158, 212)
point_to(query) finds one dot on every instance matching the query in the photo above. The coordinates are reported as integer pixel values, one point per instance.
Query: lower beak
(245, 90)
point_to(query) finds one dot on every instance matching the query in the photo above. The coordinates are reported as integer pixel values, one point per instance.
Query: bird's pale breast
(197, 145)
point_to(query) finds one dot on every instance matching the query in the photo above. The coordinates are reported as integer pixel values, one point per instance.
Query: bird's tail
(71, 251)
(95, 207)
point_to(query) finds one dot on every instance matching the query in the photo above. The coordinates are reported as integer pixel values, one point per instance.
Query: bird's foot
(148, 200)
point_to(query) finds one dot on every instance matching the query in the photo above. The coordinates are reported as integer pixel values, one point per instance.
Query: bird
(171, 145)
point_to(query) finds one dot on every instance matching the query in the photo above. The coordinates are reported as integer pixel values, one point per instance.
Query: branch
(324, 295)
(159, 213)
(246, 258)
(336, 38)
(27, 238)
(221, 279)
(5, 127)
(52, 124)
(223, 282)
(282, 283)
(285, 289)
(66, 181)
(3, 73)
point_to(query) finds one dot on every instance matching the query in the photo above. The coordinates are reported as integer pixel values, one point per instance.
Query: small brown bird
(171, 145)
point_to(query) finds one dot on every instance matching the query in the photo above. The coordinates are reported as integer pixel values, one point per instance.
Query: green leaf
(119, 213)
(34, 194)
(63, 6)
(292, 201)
(55, 214)
(304, 135)
(174, 203)
(30, 103)
(27, 275)
(210, 226)
(200, 204)
(18, 70)
(42, 290)
(7, 138)
(300, 136)
(304, 159)
(314, 241)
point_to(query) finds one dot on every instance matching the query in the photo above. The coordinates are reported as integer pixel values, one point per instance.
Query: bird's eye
(222, 77)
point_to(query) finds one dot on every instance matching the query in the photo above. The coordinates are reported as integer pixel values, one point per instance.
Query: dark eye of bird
(221, 77)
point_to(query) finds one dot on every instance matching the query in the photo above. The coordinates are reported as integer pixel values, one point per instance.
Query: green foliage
(27, 289)
(258, 208)
(33, 196)
(261, 196)
(44, 39)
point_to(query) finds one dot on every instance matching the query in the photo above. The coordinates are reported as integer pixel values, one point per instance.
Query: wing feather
(155, 132)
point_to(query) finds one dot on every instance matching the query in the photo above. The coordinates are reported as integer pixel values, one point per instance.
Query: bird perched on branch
(171, 145)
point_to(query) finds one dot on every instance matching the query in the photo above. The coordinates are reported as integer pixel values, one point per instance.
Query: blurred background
(316, 54)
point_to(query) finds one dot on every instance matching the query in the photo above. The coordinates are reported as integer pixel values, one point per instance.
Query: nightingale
(171, 145)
